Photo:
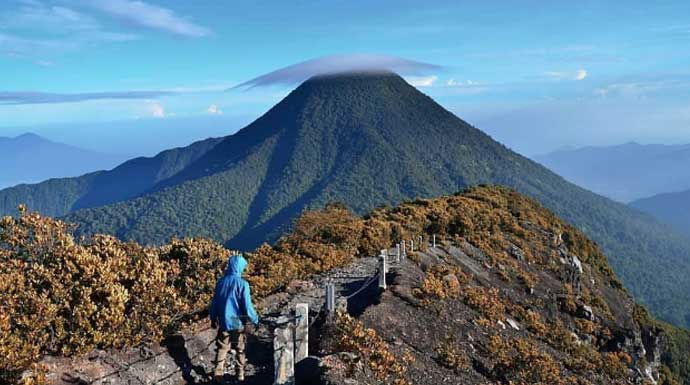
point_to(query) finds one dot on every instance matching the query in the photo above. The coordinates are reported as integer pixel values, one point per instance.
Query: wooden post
(421, 240)
(383, 269)
(434, 240)
(397, 252)
(330, 298)
(404, 251)
(283, 354)
(301, 332)
(412, 245)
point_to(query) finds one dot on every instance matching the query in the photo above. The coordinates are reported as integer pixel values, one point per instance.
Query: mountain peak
(29, 135)
(25, 137)
(368, 78)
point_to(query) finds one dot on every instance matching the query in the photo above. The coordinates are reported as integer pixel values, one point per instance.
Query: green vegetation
(141, 293)
(58, 197)
(370, 140)
(671, 208)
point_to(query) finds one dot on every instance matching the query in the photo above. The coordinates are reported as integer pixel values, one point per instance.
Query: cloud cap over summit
(297, 73)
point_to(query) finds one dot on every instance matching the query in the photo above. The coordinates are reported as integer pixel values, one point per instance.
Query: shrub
(520, 361)
(441, 282)
(62, 296)
(486, 301)
(616, 364)
(452, 357)
(354, 337)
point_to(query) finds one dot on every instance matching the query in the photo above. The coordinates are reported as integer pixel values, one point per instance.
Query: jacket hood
(236, 265)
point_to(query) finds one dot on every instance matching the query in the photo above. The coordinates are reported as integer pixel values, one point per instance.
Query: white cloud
(666, 85)
(37, 97)
(422, 81)
(44, 63)
(453, 83)
(580, 74)
(35, 29)
(555, 75)
(156, 109)
(15, 46)
(213, 109)
(145, 15)
(37, 18)
(297, 73)
(632, 89)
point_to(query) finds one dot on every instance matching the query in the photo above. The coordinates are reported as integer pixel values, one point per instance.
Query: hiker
(232, 312)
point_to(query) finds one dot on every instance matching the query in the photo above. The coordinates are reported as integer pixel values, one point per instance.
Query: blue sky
(536, 75)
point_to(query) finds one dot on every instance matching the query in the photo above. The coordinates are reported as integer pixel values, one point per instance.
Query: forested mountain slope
(368, 140)
(57, 197)
(672, 208)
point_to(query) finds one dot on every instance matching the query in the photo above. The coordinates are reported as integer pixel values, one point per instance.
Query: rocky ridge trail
(409, 320)
(510, 295)
(187, 357)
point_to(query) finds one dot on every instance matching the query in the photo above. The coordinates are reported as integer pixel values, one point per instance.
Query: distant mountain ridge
(30, 158)
(367, 140)
(672, 208)
(58, 197)
(624, 172)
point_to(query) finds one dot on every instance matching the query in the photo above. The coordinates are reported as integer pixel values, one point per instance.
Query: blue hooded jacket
(232, 302)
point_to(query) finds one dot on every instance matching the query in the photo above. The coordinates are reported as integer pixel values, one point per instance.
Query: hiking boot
(219, 379)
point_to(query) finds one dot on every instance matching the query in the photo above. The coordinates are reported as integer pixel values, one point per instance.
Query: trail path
(187, 357)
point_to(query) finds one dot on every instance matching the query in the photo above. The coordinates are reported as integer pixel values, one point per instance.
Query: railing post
(384, 256)
(434, 240)
(330, 298)
(421, 241)
(283, 354)
(412, 245)
(397, 252)
(404, 248)
(301, 332)
(383, 269)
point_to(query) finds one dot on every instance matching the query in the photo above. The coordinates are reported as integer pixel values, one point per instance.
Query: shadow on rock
(192, 374)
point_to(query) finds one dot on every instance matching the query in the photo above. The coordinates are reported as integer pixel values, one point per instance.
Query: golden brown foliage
(486, 301)
(535, 323)
(320, 241)
(490, 218)
(354, 337)
(452, 356)
(63, 296)
(616, 364)
(520, 361)
(59, 296)
(441, 282)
